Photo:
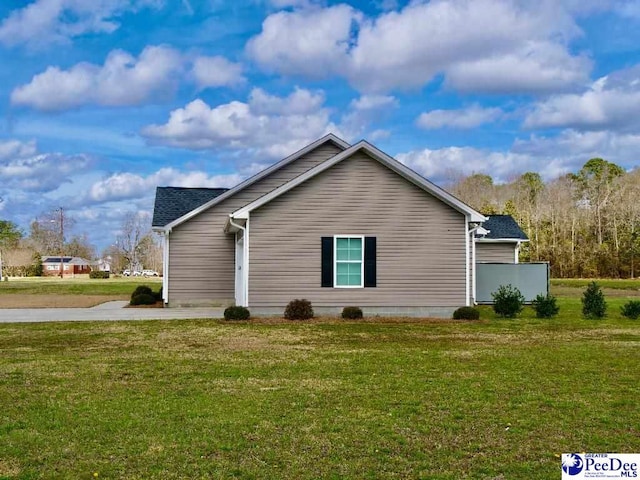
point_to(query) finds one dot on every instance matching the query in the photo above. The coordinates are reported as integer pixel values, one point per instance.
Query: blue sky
(102, 101)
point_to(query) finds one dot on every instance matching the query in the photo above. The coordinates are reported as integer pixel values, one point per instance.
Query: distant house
(103, 264)
(51, 266)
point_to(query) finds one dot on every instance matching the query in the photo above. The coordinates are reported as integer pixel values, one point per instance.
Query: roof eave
(259, 176)
(501, 240)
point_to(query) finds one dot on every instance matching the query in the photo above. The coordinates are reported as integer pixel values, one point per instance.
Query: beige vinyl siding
(202, 256)
(420, 240)
(495, 252)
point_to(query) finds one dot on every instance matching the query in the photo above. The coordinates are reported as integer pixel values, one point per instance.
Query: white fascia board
(500, 240)
(470, 214)
(258, 176)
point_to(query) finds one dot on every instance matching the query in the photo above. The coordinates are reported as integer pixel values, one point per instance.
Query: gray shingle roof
(503, 226)
(174, 202)
(71, 260)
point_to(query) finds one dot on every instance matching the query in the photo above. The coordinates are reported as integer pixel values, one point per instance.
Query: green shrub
(98, 274)
(545, 306)
(352, 313)
(298, 309)
(466, 313)
(36, 269)
(593, 303)
(142, 289)
(158, 295)
(237, 313)
(631, 309)
(142, 299)
(507, 301)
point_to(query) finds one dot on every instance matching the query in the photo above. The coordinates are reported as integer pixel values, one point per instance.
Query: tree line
(585, 224)
(134, 246)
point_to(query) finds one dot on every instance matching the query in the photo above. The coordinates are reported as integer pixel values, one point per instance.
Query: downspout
(472, 232)
(165, 267)
(516, 260)
(245, 263)
(466, 259)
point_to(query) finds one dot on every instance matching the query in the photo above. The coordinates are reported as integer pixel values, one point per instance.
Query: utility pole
(61, 242)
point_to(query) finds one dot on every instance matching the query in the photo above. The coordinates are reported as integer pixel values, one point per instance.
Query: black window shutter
(369, 261)
(326, 277)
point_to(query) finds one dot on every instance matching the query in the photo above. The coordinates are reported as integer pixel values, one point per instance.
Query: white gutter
(472, 232)
(245, 263)
(165, 267)
(466, 259)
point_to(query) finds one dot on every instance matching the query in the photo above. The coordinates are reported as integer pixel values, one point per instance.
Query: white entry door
(239, 269)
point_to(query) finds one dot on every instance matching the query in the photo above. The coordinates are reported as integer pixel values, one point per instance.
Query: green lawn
(76, 286)
(612, 283)
(494, 399)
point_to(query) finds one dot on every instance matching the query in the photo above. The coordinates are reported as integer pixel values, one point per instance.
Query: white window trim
(335, 261)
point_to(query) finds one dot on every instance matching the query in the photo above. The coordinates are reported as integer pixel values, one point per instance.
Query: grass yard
(69, 292)
(494, 399)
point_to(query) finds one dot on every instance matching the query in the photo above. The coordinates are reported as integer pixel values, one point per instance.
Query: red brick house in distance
(70, 266)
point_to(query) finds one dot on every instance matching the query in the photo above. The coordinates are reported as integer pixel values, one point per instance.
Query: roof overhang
(375, 153)
(250, 181)
(501, 240)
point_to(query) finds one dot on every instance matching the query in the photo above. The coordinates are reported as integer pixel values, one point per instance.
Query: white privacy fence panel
(531, 279)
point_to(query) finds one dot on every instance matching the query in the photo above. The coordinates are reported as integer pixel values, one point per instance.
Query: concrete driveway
(106, 311)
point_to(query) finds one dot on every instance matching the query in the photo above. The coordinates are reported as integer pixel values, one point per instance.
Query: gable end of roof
(379, 156)
(259, 176)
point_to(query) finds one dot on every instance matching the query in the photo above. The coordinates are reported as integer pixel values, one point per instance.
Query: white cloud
(122, 80)
(373, 102)
(17, 149)
(121, 186)
(470, 117)
(365, 110)
(46, 22)
(536, 67)
(550, 156)
(216, 72)
(23, 167)
(438, 165)
(478, 45)
(266, 125)
(312, 42)
(300, 102)
(619, 148)
(610, 102)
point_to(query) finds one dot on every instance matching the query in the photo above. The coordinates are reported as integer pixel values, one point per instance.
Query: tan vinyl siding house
(420, 240)
(202, 255)
(336, 224)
